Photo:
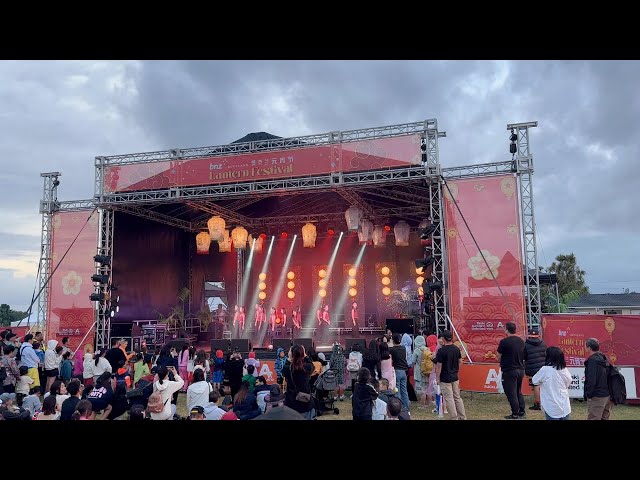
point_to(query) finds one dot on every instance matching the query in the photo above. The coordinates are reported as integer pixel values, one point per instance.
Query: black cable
(513, 313)
(59, 263)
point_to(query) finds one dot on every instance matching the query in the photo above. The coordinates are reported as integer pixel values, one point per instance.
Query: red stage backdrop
(71, 314)
(478, 311)
(373, 154)
(619, 336)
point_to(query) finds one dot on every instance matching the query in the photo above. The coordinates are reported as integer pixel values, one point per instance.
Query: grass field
(478, 406)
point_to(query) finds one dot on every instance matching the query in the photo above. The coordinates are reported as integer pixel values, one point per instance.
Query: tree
(5, 315)
(570, 275)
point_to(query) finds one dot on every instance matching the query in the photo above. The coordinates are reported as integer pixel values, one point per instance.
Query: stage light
(322, 283)
(420, 281)
(284, 235)
(385, 271)
(262, 295)
(322, 293)
(353, 292)
(96, 297)
(103, 279)
(331, 231)
(513, 137)
(387, 228)
(291, 285)
(291, 294)
(263, 235)
(386, 281)
(262, 286)
(386, 291)
(322, 273)
(432, 287)
(291, 275)
(262, 276)
(352, 282)
(352, 272)
(513, 148)
(425, 262)
(103, 260)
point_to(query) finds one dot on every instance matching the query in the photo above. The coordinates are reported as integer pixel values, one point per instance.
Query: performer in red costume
(258, 317)
(236, 314)
(272, 319)
(325, 316)
(283, 316)
(295, 318)
(241, 318)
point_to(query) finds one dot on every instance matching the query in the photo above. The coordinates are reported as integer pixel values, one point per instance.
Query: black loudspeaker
(240, 344)
(177, 344)
(307, 343)
(220, 345)
(400, 325)
(283, 343)
(352, 341)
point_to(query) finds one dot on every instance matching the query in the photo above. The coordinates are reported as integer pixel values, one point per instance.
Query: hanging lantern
(353, 292)
(309, 235)
(366, 231)
(420, 281)
(291, 294)
(257, 246)
(262, 276)
(385, 271)
(262, 286)
(216, 227)
(203, 242)
(322, 293)
(386, 291)
(401, 230)
(322, 273)
(352, 272)
(239, 236)
(379, 236)
(353, 215)
(352, 282)
(226, 243)
(322, 283)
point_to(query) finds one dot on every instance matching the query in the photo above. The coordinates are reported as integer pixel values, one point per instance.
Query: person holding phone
(167, 388)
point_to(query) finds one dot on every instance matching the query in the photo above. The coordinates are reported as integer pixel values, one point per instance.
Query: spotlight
(513, 136)
(513, 148)
(96, 297)
(102, 259)
(331, 231)
(427, 232)
(263, 236)
(56, 182)
(284, 235)
(387, 228)
(423, 146)
(103, 279)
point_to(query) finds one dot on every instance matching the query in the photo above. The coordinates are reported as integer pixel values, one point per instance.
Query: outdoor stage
(181, 231)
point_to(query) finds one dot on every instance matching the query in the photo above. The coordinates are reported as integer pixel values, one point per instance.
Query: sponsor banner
(479, 309)
(576, 389)
(375, 154)
(484, 377)
(268, 370)
(619, 336)
(71, 313)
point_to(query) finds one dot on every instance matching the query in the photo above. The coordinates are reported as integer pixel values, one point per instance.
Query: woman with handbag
(297, 374)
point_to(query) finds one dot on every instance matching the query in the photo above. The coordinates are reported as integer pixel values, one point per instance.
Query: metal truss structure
(412, 193)
(48, 206)
(105, 247)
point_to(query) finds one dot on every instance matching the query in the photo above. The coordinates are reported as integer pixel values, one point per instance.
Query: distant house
(607, 304)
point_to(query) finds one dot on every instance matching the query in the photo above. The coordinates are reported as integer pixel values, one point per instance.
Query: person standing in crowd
(297, 374)
(235, 366)
(66, 367)
(421, 379)
(140, 369)
(74, 389)
(386, 366)
(52, 362)
(218, 370)
(448, 363)
(24, 384)
(596, 386)
(183, 365)
(123, 344)
(115, 355)
(432, 345)
(167, 388)
(11, 368)
(511, 358)
(65, 346)
(553, 380)
(400, 365)
(78, 360)
(87, 369)
(337, 364)
(279, 363)
(201, 362)
(364, 396)
(100, 366)
(249, 378)
(354, 364)
(535, 352)
(371, 359)
(276, 409)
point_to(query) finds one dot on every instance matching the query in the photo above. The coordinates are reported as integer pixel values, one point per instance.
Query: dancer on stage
(354, 315)
(272, 319)
(258, 316)
(283, 315)
(319, 314)
(241, 318)
(296, 318)
(236, 314)
(325, 316)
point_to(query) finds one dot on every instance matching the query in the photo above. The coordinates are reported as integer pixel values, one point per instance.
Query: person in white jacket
(554, 380)
(52, 363)
(100, 365)
(168, 388)
(198, 391)
(87, 369)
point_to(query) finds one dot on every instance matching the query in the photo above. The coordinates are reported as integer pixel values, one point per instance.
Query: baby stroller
(325, 385)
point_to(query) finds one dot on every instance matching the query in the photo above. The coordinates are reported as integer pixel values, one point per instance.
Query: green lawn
(478, 406)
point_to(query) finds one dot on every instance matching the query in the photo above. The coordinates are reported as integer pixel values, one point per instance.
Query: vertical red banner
(71, 313)
(478, 310)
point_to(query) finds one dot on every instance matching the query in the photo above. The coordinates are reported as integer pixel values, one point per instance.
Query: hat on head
(5, 397)
(275, 394)
(534, 332)
(252, 354)
(230, 415)
(446, 334)
(219, 354)
(197, 410)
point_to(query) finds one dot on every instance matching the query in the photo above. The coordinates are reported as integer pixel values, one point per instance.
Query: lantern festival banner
(71, 313)
(619, 336)
(479, 310)
(374, 154)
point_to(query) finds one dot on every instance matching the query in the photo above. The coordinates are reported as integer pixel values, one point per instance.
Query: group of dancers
(277, 320)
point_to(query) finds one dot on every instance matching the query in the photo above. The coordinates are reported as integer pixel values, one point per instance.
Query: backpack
(426, 363)
(616, 384)
(155, 403)
(353, 365)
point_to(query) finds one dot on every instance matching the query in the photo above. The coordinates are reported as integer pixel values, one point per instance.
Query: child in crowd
(354, 364)
(123, 375)
(250, 378)
(32, 402)
(140, 369)
(23, 385)
(379, 406)
(87, 369)
(191, 364)
(218, 370)
(84, 411)
(66, 367)
(386, 366)
(201, 362)
(364, 396)
(280, 361)
(252, 361)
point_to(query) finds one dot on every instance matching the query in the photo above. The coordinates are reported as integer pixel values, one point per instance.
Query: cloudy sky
(57, 116)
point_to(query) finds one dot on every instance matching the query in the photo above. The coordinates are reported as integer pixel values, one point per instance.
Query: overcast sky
(57, 116)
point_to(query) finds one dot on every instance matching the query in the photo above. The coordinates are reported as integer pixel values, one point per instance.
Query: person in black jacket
(511, 358)
(596, 387)
(234, 367)
(297, 373)
(535, 352)
(363, 396)
(371, 359)
(114, 355)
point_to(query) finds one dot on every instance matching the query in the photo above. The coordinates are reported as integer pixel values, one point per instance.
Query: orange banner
(483, 377)
(268, 370)
(479, 309)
